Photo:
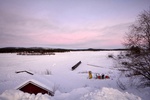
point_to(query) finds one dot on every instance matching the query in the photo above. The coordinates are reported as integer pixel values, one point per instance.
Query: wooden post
(76, 65)
(25, 71)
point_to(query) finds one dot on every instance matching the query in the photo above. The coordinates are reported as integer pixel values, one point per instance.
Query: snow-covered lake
(68, 84)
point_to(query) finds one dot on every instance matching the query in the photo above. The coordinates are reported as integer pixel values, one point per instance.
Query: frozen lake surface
(67, 83)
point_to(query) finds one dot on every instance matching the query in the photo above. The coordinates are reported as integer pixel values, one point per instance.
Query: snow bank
(76, 94)
(19, 95)
(109, 94)
(73, 95)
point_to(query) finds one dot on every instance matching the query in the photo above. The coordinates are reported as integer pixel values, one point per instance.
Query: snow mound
(109, 94)
(75, 94)
(80, 93)
(19, 95)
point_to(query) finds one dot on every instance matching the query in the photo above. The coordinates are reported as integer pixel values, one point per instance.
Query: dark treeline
(39, 49)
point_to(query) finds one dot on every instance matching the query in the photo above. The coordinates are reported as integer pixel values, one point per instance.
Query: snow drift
(109, 94)
(104, 94)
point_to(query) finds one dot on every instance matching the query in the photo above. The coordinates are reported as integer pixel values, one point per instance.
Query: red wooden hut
(35, 87)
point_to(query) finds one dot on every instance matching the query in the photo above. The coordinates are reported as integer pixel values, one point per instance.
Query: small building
(35, 87)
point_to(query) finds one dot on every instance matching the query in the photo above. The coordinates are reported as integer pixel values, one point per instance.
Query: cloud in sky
(67, 23)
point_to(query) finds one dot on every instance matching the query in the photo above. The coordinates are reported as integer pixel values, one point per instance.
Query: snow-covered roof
(38, 81)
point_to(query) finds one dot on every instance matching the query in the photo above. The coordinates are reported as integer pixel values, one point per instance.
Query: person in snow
(102, 76)
(97, 76)
(90, 75)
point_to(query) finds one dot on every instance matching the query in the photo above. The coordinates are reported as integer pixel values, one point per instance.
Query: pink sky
(67, 23)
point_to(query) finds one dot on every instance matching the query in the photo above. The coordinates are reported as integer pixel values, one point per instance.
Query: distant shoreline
(43, 50)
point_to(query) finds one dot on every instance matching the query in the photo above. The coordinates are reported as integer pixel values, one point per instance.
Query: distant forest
(42, 50)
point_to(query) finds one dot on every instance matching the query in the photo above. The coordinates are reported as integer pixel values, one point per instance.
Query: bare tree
(136, 60)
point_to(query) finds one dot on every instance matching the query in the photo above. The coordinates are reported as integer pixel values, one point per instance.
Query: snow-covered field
(67, 84)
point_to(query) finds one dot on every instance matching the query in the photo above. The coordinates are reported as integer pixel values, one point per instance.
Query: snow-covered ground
(67, 84)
